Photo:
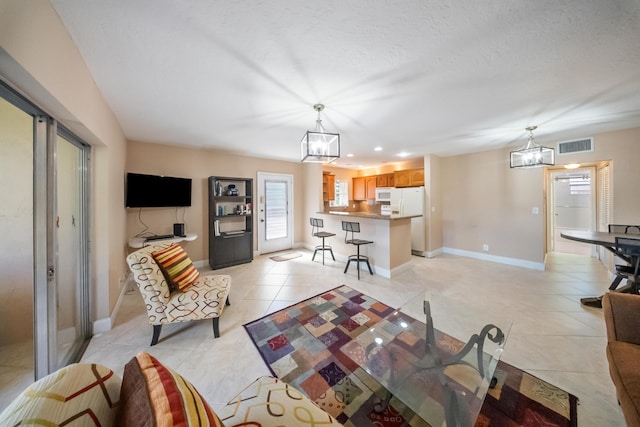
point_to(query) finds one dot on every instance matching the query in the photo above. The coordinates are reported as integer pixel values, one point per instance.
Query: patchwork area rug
(301, 345)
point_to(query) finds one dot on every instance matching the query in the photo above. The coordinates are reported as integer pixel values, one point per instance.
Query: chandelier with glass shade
(532, 154)
(319, 146)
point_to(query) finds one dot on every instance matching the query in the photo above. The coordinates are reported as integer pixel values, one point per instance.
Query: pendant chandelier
(532, 154)
(319, 146)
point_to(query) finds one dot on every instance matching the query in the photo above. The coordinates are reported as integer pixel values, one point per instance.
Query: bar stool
(354, 227)
(316, 225)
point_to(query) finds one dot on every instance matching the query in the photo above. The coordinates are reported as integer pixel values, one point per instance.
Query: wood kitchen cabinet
(416, 177)
(359, 188)
(370, 186)
(328, 186)
(409, 178)
(384, 180)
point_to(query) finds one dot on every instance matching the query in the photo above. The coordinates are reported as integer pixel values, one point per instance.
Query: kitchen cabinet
(409, 178)
(384, 180)
(359, 188)
(416, 177)
(328, 186)
(370, 186)
(230, 221)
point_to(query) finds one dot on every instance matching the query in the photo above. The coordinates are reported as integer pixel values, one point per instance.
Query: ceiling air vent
(577, 146)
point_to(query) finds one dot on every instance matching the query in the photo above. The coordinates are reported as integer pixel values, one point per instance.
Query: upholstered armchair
(173, 290)
(622, 319)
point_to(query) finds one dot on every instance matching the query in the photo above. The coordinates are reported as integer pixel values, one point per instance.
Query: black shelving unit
(230, 221)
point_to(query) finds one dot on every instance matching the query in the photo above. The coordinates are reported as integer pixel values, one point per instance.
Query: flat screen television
(156, 191)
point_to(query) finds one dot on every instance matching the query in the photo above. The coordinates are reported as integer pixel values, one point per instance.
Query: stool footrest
(323, 248)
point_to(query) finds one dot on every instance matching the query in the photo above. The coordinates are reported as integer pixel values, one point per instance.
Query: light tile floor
(552, 336)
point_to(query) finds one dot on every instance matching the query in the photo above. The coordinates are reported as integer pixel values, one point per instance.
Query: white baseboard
(204, 263)
(433, 254)
(495, 258)
(389, 273)
(104, 325)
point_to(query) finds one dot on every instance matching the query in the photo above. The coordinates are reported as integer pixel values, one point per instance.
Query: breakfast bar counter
(391, 217)
(390, 252)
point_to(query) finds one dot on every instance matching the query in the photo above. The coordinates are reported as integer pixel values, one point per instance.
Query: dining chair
(630, 247)
(623, 228)
(622, 271)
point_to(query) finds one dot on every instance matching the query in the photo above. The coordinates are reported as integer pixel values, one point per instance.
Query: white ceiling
(414, 76)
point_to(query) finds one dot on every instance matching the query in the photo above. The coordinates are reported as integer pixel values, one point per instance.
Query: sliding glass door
(17, 282)
(44, 250)
(71, 254)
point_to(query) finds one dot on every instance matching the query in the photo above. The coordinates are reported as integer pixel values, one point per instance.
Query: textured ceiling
(419, 77)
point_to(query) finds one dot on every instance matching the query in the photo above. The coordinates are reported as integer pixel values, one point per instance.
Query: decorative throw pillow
(154, 395)
(270, 402)
(177, 267)
(78, 394)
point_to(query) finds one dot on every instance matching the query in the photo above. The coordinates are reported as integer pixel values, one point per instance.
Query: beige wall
(623, 148)
(199, 164)
(484, 201)
(433, 188)
(39, 59)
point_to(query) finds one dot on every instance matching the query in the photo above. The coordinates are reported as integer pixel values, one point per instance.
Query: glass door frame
(45, 131)
(84, 290)
(274, 245)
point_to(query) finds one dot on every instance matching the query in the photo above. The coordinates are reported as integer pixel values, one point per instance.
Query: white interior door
(573, 208)
(275, 212)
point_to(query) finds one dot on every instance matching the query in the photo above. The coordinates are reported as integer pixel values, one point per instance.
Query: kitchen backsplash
(360, 206)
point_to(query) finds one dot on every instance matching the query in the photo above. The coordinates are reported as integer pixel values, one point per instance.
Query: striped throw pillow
(154, 395)
(176, 266)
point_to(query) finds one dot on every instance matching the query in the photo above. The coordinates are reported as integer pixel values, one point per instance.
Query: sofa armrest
(622, 317)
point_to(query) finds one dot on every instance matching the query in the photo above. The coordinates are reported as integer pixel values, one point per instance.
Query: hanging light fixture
(532, 154)
(319, 146)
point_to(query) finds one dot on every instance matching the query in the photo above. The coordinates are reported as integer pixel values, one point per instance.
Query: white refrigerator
(411, 201)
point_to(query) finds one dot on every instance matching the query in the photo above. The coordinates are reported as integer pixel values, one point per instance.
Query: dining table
(606, 240)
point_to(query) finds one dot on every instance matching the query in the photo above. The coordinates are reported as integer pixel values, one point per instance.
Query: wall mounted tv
(156, 191)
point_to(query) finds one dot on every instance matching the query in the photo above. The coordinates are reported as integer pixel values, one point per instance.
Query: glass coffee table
(441, 376)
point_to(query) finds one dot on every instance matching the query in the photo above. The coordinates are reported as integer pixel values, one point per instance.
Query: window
(580, 185)
(342, 194)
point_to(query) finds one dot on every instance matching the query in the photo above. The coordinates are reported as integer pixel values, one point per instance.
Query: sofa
(152, 394)
(622, 318)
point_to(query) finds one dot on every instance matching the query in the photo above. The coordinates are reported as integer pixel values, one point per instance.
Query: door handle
(262, 220)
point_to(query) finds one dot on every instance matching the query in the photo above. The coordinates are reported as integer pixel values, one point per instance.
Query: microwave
(383, 194)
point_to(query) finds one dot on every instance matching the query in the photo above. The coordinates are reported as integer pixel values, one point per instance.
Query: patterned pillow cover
(176, 266)
(269, 402)
(155, 395)
(78, 394)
